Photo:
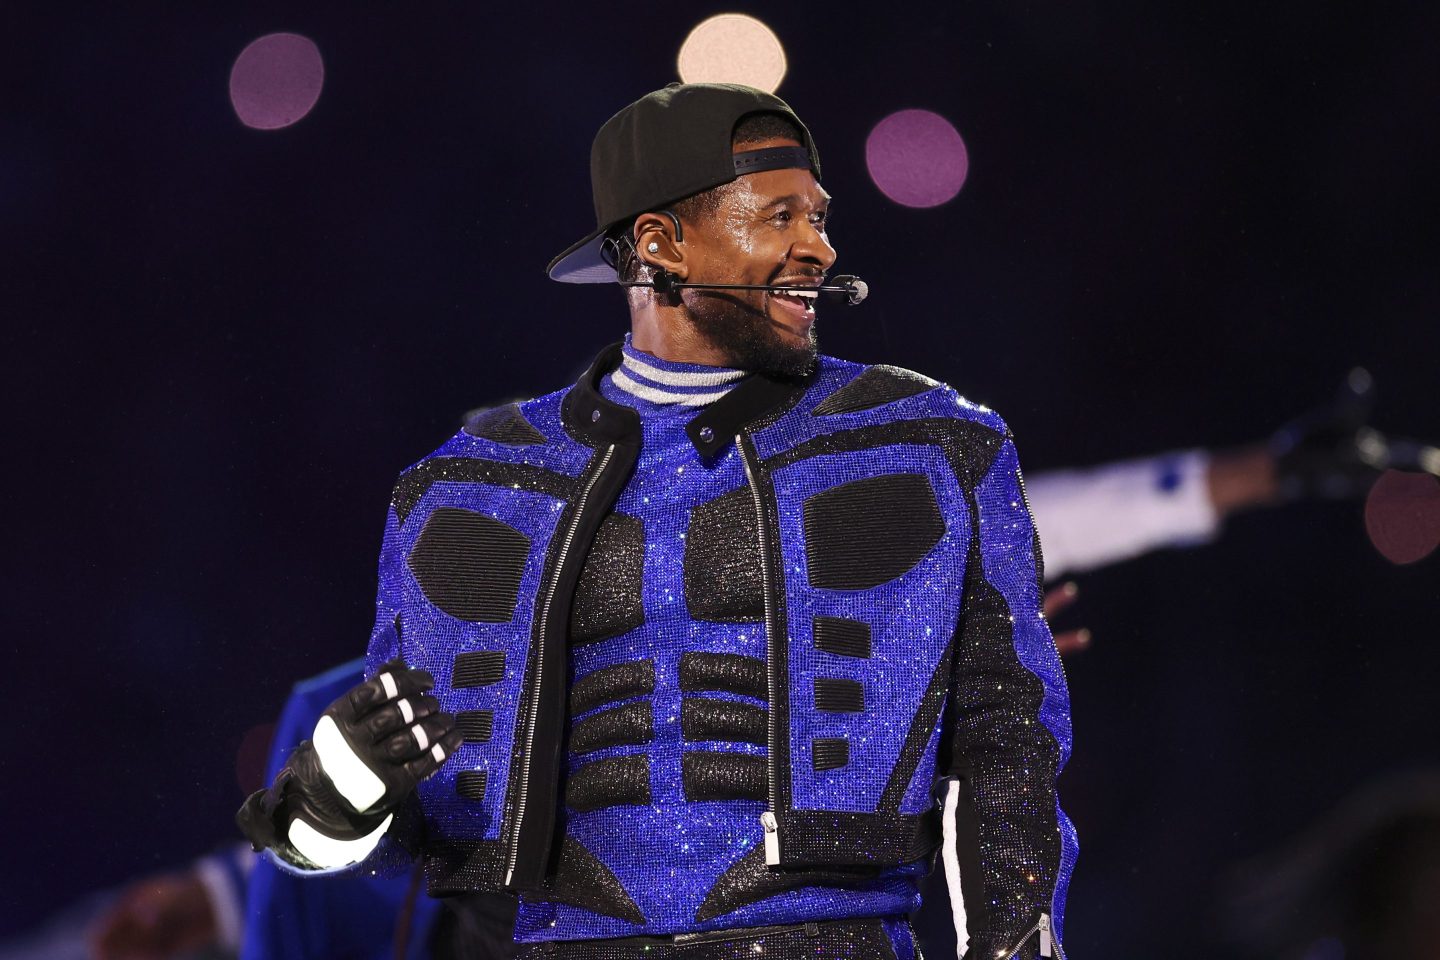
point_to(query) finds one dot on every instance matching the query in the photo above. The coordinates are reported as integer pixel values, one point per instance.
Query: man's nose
(813, 247)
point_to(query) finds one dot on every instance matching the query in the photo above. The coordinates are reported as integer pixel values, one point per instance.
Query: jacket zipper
(523, 789)
(1049, 947)
(1046, 942)
(768, 822)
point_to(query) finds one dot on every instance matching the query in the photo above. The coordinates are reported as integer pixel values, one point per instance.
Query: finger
(397, 715)
(417, 738)
(1060, 597)
(425, 766)
(388, 684)
(1072, 641)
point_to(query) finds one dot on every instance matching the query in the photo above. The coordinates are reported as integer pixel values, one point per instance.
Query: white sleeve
(1102, 515)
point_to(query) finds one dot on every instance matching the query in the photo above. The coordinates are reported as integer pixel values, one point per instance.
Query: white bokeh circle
(732, 48)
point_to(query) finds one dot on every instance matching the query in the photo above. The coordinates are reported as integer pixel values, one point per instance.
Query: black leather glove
(1330, 452)
(1333, 453)
(338, 790)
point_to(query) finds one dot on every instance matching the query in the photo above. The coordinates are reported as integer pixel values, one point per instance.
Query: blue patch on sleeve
(1169, 477)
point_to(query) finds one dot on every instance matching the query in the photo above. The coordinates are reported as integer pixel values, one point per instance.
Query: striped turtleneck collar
(667, 383)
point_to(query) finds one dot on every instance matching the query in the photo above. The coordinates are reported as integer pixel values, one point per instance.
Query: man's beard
(748, 337)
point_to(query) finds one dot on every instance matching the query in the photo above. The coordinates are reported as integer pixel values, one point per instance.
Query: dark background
(1182, 225)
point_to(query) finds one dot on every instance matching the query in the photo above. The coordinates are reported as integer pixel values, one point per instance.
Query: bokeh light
(276, 81)
(732, 48)
(916, 158)
(1402, 515)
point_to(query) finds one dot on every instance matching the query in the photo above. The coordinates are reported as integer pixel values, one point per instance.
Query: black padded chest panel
(607, 598)
(722, 561)
(469, 565)
(863, 533)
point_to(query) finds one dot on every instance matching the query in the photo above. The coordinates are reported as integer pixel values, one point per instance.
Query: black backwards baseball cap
(665, 147)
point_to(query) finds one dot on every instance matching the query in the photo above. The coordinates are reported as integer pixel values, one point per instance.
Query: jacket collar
(597, 421)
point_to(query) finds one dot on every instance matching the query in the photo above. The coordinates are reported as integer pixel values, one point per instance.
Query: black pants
(828, 940)
(476, 926)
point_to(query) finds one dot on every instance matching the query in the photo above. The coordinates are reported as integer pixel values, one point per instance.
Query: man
(726, 640)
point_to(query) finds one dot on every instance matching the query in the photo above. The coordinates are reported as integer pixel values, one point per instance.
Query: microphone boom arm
(853, 289)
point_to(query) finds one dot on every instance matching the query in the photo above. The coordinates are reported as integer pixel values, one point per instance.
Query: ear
(658, 230)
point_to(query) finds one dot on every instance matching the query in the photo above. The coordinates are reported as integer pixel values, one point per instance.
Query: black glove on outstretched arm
(337, 793)
(1333, 453)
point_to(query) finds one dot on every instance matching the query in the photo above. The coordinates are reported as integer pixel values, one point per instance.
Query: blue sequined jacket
(915, 698)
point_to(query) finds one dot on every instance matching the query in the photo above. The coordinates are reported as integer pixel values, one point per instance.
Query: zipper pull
(772, 839)
(1046, 949)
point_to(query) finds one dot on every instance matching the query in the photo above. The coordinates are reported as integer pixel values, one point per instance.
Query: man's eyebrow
(794, 198)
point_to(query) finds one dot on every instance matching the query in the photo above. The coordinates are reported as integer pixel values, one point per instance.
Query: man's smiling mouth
(798, 302)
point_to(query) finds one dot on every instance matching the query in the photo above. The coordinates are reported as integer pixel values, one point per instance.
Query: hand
(1056, 600)
(156, 918)
(338, 790)
(1332, 452)
(380, 739)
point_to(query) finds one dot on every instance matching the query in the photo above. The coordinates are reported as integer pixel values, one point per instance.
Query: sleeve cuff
(1103, 515)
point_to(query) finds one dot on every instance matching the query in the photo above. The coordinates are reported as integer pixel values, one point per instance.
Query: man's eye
(782, 216)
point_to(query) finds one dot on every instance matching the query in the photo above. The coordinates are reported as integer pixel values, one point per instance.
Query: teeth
(796, 292)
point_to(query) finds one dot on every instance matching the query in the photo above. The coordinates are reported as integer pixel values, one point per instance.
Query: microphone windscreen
(859, 290)
(845, 287)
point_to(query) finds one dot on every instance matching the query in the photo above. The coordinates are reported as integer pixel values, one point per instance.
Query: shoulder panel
(518, 445)
(946, 401)
(853, 406)
(504, 424)
(875, 387)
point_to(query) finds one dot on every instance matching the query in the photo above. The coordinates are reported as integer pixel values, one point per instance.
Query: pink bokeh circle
(276, 80)
(916, 158)
(1402, 516)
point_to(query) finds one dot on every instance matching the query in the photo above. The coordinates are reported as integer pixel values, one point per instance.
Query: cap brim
(582, 263)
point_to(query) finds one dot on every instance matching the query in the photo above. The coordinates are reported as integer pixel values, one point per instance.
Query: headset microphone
(852, 290)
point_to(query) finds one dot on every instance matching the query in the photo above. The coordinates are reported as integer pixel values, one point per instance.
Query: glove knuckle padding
(399, 715)
(437, 725)
(444, 742)
(379, 725)
(401, 746)
(424, 765)
(365, 697)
